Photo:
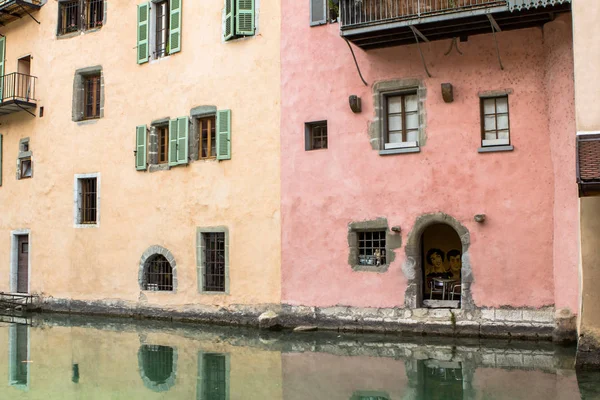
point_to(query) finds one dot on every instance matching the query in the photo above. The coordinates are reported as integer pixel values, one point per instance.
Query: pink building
(442, 196)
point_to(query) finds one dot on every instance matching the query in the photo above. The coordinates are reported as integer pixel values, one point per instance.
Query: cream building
(140, 155)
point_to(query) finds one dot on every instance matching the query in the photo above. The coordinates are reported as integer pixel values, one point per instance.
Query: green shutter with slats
(224, 135)
(182, 140)
(0, 160)
(2, 53)
(140, 147)
(229, 21)
(244, 17)
(175, 27)
(173, 141)
(143, 17)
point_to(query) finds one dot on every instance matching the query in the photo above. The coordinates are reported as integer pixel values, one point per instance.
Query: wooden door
(23, 264)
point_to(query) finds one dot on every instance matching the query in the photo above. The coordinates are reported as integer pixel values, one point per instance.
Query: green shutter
(173, 139)
(143, 17)
(0, 160)
(229, 22)
(244, 17)
(224, 135)
(175, 27)
(182, 140)
(140, 147)
(2, 52)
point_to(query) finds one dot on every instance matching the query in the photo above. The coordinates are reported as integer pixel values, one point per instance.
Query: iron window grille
(214, 369)
(163, 144)
(158, 274)
(208, 139)
(88, 204)
(316, 135)
(371, 248)
(69, 16)
(162, 29)
(214, 262)
(76, 15)
(94, 13)
(158, 362)
(495, 123)
(401, 120)
(91, 96)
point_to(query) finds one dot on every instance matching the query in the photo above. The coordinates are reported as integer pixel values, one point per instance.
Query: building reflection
(158, 367)
(19, 346)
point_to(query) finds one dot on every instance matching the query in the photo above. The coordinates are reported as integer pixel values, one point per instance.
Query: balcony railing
(359, 12)
(34, 2)
(17, 86)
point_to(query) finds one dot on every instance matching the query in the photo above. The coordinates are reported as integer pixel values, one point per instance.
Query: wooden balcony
(17, 93)
(12, 10)
(383, 23)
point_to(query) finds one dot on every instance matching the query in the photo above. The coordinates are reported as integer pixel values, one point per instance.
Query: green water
(84, 358)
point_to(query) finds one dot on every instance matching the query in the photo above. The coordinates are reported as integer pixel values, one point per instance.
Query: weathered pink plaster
(525, 254)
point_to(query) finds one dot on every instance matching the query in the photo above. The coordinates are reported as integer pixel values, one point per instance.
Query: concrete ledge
(495, 149)
(404, 150)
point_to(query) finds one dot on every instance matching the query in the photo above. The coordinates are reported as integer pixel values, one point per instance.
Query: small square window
(315, 135)
(88, 201)
(495, 127)
(25, 168)
(401, 121)
(371, 248)
(163, 144)
(208, 139)
(91, 86)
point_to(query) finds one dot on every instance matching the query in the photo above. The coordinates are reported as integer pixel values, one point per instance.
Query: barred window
(214, 262)
(77, 15)
(69, 12)
(215, 376)
(157, 366)
(94, 13)
(316, 135)
(371, 248)
(162, 29)
(88, 201)
(158, 274)
(91, 96)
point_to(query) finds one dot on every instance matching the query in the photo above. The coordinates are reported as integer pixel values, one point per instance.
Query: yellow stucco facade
(139, 209)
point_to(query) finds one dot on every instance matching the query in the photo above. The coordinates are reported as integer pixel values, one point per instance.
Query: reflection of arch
(157, 270)
(413, 266)
(158, 366)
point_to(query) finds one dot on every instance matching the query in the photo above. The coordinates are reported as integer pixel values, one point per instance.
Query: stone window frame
(392, 242)
(196, 114)
(494, 94)
(413, 264)
(77, 200)
(81, 28)
(200, 378)
(78, 106)
(384, 89)
(149, 383)
(25, 154)
(147, 256)
(200, 231)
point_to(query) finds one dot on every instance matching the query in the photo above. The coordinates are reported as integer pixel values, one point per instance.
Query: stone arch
(412, 268)
(157, 366)
(148, 255)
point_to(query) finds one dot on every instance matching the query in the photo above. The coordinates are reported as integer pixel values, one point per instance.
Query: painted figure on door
(455, 262)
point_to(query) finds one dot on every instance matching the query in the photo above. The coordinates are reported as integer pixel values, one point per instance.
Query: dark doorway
(441, 250)
(23, 264)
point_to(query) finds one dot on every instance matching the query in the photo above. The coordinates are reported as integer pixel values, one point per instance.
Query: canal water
(87, 358)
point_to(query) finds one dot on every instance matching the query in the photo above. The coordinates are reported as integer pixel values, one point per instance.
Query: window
(371, 248)
(159, 29)
(208, 139)
(80, 15)
(24, 161)
(91, 96)
(19, 353)
(495, 130)
(315, 135)
(158, 274)
(25, 168)
(214, 262)
(239, 19)
(157, 366)
(163, 144)
(213, 376)
(87, 200)
(322, 11)
(401, 121)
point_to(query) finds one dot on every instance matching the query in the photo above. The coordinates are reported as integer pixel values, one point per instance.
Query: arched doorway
(416, 260)
(441, 254)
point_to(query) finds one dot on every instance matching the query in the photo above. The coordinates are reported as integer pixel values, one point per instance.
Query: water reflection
(60, 358)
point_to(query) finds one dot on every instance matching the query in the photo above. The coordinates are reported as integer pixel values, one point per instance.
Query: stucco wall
(513, 254)
(140, 209)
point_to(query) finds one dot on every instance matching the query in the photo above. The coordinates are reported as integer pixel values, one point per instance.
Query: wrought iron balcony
(588, 164)
(17, 93)
(383, 23)
(12, 10)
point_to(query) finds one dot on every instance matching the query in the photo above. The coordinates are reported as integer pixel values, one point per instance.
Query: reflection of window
(371, 248)
(158, 274)
(370, 395)
(19, 356)
(213, 376)
(157, 366)
(495, 130)
(401, 121)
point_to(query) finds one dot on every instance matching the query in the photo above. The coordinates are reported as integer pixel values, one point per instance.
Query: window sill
(399, 151)
(158, 167)
(494, 149)
(85, 226)
(370, 268)
(226, 293)
(83, 122)
(68, 35)
(160, 291)
(158, 59)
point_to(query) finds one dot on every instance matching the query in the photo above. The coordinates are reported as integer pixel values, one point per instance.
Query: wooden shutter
(173, 141)
(224, 135)
(229, 20)
(0, 160)
(175, 27)
(140, 147)
(2, 52)
(182, 140)
(143, 17)
(318, 12)
(244, 17)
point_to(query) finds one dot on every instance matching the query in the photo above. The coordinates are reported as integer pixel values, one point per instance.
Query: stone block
(509, 315)
(364, 312)
(388, 312)
(407, 314)
(420, 312)
(538, 316)
(440, 314)
(488, 314)
(333, 311)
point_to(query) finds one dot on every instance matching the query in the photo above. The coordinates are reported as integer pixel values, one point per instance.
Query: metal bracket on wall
(24, 109)
(356, 63)
(28, 13)
(496, 28)
(454, 44)
(418, 35)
